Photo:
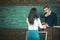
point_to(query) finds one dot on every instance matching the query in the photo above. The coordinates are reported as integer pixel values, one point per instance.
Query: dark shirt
(51, 20)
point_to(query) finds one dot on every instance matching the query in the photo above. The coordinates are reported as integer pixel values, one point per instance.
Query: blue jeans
(33, 35)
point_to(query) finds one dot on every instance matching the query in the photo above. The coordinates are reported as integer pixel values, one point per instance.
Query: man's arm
(55, 19)
(42, 16)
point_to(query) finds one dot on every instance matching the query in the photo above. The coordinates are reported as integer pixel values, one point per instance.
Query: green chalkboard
(15, 16)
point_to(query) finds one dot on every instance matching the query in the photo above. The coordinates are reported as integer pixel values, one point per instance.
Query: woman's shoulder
(38, 18)
(26, 19)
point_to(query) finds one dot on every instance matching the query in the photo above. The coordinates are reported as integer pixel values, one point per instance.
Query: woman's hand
(45, 25)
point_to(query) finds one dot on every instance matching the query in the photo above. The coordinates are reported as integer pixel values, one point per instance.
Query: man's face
(46, 10)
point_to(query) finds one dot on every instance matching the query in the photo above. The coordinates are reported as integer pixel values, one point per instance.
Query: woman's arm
(39, 23)
(27, 21)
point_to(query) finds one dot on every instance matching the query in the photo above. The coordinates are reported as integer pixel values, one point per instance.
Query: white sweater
(37, 23)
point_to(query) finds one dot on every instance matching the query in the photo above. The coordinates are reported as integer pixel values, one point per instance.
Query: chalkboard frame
(41, 32)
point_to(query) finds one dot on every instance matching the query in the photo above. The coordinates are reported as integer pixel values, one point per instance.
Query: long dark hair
(32, 15)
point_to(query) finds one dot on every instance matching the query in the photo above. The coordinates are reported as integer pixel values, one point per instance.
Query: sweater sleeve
(43, 15)
(39, 23)
(55, 19)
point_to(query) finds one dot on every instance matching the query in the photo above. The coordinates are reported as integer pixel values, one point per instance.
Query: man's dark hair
(46, 6)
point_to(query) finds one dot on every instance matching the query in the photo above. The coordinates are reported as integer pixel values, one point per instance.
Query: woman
(33, 22)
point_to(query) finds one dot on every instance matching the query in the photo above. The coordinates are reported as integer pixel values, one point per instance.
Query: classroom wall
(13, 13)
(29, 2)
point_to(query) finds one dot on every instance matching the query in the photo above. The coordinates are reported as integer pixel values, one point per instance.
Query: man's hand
(44, 26)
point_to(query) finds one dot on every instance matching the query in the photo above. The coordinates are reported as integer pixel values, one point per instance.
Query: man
(50, 17)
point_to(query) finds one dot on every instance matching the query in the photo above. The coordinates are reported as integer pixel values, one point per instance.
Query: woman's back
(37, 23)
